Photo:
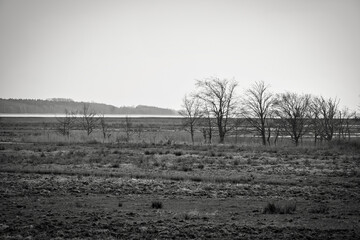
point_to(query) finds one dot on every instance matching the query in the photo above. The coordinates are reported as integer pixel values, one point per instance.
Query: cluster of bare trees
(86, 120)
(215, 106)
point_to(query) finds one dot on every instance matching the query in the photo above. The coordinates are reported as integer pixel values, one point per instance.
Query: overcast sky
(151, 52)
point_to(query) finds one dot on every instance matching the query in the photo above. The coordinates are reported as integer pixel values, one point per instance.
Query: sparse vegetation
(107, 183)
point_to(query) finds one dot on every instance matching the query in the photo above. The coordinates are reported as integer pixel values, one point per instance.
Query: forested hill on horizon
(58, 106)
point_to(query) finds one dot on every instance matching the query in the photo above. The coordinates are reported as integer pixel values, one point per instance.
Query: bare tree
(139, 130)
(104, 128)
(128, 129)
(258, 107)
(293, 111)
(192, 113)
(219, 96)
(88, 120)
(65, 124)
(206, 123)
(328, 113)
(238, 128)
(345, 117)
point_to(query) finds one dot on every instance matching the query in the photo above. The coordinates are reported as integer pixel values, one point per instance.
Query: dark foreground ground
(97, 191)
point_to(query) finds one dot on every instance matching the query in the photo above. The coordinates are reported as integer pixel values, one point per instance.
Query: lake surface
(30, 115)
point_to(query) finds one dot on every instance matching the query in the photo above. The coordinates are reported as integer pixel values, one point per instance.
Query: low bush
(178, 153)
(186, 168)
(147, 152)
(201, 166)
(157, 205)
(280, 208)
(115, 165)
(320, 209)
(93, 141)
(194, 214)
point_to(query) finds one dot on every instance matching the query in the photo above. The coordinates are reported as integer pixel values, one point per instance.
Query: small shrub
(236, 162)
(42, 154)
(120, 204)
(229, 157)
(186, 168)
(278, 208)
(93, 142)
(196, 179)
(79, 153)
(194, 214)
(178, 153)
(117, 152)
(115, 165)
(210, 161)
(147, 152)
(17, 148)
(307, 163)
(320, 209)
(78, 204)
(156, 205)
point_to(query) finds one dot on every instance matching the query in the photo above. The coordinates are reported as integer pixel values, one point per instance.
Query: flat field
(169, 190)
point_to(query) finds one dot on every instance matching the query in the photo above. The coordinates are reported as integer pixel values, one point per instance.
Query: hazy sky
(151, 51)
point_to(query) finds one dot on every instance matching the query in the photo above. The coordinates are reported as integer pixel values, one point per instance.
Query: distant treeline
(58, 106)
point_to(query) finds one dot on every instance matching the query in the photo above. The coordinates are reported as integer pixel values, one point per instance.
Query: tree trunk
(269, 135)
(296, 141)
(263, 137)
(192, 134)
(222, 138)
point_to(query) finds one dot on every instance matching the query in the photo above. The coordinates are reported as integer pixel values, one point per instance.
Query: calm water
(106, 115)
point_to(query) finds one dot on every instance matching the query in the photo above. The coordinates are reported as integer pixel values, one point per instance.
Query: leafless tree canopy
(88, 121)
(294, 111)
(345, 117)
(326, 111)
(128, 129)
(192, 113)
(219, 97)
(258, 107)
(104, 128)
(65, 124)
